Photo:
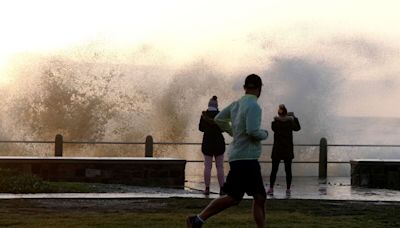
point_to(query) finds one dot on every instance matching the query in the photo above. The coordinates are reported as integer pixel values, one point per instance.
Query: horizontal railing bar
(339, 162)
(193, 143)
(362, 145)
(261, 161)
(270, 144)
(9, 141)
(197, 143)
(177, 143)
(90, 142)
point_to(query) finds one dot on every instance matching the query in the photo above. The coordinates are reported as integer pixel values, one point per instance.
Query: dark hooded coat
(213, 143)
(283, 128)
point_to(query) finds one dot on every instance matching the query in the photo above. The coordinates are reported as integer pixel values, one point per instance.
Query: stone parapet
(376, 173)
(152, 172)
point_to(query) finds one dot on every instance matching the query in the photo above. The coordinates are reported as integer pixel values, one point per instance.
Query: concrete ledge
(152, 172)
(376, 173)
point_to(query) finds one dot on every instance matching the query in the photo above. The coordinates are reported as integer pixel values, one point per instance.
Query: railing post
(323, 158)
(58, 146)
(148, 150)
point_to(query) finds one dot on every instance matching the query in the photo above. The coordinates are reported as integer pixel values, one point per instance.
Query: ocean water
(348, 137)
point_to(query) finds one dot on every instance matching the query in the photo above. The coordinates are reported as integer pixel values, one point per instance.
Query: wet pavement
(334, 188)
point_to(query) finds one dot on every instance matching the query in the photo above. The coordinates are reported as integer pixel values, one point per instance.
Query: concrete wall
(159, 172)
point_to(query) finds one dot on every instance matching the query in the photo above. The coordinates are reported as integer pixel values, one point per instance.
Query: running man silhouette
(242, 120)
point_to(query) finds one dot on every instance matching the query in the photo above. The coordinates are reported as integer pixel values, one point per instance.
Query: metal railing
(149, 148)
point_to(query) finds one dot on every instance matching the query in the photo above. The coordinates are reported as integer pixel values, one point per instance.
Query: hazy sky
(183, 27)
(227, 31)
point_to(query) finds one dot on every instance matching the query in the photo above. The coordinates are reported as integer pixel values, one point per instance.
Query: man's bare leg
(259, 210)
(217, 206)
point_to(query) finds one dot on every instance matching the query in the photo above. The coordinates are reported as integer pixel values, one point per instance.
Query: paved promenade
(335, 188)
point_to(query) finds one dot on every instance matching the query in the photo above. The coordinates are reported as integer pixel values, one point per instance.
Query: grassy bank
(171, 213)
(13, 182)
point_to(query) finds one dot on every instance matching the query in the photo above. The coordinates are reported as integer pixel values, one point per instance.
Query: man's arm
(253, 122)
(223, 119)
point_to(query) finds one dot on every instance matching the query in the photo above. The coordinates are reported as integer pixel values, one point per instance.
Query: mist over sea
(99, 101)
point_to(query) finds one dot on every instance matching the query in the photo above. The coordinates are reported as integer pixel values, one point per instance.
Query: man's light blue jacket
(242, 120)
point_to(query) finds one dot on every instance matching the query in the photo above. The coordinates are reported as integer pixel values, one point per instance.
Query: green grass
(171, 213)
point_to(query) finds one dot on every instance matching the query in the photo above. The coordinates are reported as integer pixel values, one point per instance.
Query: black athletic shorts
(244, 177)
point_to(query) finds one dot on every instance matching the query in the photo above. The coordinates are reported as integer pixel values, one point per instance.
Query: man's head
(253, 84)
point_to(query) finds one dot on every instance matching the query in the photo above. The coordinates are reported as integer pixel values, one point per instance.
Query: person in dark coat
(213, 145)
(283, 126)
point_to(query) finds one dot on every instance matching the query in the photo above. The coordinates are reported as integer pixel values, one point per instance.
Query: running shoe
(270, 192)
(192, 222)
